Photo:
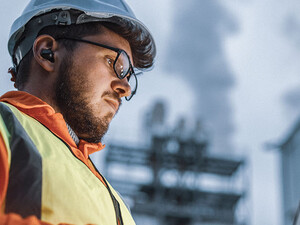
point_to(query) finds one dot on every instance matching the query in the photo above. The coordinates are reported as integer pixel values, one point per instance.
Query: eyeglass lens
(122, 68)
(122, 65)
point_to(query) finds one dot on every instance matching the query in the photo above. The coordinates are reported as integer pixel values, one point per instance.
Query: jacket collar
(46, 115)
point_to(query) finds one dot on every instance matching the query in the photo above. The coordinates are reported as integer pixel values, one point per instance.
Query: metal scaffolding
(164, 179)
(182, 202)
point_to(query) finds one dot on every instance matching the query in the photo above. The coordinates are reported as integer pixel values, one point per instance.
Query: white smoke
(196, 52)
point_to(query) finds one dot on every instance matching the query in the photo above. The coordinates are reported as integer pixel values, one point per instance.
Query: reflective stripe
(25, 173)
(5, 138)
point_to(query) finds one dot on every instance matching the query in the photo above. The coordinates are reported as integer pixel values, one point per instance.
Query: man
(73, 63)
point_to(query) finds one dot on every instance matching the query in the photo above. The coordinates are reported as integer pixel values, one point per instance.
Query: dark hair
(143, 52)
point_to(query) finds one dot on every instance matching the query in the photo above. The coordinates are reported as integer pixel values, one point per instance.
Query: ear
(43, 42)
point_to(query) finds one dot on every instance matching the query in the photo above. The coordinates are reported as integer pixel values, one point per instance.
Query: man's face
(88, 92)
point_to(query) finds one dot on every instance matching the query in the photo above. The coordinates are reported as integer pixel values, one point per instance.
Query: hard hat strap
(60, 18)
(35, 25)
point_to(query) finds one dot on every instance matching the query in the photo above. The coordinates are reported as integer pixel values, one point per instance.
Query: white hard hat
(92, 10)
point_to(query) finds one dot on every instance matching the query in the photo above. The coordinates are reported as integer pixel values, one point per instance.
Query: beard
(76, 107)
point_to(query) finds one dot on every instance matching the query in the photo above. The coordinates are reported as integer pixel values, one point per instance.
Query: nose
(121, 87)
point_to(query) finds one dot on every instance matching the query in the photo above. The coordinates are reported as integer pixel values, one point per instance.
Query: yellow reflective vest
(47, 179)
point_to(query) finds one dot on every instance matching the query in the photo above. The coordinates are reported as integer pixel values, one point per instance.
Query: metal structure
(289, 148)
(164, 180)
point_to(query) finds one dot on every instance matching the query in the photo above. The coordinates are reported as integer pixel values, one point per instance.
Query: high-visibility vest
(48, 181)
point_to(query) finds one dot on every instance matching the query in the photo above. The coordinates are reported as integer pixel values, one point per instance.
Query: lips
(113, 103)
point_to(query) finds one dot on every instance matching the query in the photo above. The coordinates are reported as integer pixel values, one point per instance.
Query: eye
(110, 61)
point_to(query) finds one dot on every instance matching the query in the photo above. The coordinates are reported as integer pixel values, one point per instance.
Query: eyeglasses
(122, 65)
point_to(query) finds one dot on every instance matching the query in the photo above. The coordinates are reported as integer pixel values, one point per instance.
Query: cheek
(100, 82)
(96, 90)
(94, 79)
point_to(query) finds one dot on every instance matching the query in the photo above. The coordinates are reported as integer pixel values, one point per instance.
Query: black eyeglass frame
(119, 52)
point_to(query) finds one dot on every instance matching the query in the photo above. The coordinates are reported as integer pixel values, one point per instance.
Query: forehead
(110, 38)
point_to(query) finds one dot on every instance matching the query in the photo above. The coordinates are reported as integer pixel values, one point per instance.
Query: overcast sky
(259, 49)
